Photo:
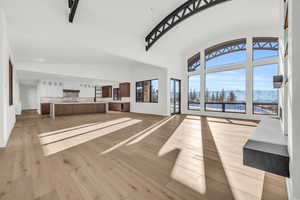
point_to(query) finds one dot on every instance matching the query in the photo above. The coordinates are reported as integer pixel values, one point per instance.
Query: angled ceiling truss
(186, 10)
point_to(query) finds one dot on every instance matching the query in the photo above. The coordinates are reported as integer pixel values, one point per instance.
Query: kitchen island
(120, 106)
(76, 108)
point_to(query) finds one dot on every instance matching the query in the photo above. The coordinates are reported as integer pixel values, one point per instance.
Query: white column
(294, 98)
(202, 81)
(249, 77)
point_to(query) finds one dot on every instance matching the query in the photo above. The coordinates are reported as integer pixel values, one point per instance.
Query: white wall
(54, 88)
(106, 72)
(28, 97)
(142, 73)
(294, 99)
(7, 113)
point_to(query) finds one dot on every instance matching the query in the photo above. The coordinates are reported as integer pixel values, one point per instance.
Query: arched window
(223, 84)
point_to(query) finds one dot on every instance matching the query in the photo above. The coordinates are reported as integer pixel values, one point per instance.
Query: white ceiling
(114, 31)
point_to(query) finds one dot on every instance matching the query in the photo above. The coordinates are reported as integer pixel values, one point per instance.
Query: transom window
(264, 48)
(194, 63)
(227, 53)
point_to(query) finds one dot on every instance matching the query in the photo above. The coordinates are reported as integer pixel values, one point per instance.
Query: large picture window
(229, 83)
(225, 54)
(194, 92)
(147, 91)
(265, 98)
(226, 91)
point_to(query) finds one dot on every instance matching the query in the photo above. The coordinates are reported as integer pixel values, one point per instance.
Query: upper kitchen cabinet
(107, 91)
(125, 89)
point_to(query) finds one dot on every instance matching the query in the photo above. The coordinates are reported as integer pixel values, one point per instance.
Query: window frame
(265, 40)
(150, 92)
(188, 93)
(248, 64)
(226, 69)
(223, 45)
(262, 64)
(196, 59)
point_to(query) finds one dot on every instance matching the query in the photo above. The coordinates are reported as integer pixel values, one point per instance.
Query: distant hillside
(267, 96)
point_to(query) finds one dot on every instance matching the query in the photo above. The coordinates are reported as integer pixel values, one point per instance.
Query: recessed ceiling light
(39, 59)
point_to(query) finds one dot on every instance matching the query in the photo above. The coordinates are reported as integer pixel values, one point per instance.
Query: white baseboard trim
(289, 188)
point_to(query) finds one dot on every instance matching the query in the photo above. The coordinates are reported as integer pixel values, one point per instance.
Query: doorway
(175, 96)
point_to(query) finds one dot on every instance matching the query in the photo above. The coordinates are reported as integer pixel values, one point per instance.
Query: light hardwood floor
(180, 158)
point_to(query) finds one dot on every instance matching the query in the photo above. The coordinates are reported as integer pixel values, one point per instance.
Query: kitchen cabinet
(45, 108)
(125, 89)
(119, 106)
(107, 91)
(77, 108)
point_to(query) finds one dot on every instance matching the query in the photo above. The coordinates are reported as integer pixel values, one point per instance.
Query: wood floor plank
(187, 158)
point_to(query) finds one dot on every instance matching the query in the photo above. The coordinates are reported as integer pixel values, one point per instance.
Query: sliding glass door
(175, 101)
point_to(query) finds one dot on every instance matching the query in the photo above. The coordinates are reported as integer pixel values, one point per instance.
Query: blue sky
(236, 79)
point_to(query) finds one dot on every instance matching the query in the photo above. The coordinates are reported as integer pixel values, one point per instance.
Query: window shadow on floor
(198, 165)
(217, 184)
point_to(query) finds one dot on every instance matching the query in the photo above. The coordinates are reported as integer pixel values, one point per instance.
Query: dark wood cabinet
(45, 108)
(77, 109)
(107, 91)
(125, 89)
(101, 108)
(63, 109)
(119, 106)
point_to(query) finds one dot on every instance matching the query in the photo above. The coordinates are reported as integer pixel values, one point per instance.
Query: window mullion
(249, 76)
(202, 81)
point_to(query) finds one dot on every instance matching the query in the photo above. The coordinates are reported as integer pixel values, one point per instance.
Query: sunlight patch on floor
(150, 130)
(62, 135)
(62, 140)
(189, 166)
(141, 135)
(247, 183)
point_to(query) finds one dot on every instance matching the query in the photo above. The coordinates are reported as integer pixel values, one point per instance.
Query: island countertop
(75, 103)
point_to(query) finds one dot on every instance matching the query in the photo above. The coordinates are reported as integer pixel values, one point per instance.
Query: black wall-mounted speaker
(277, 81)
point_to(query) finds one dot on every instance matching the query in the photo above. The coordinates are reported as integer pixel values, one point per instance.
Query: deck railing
(235, 107)
(263, 108)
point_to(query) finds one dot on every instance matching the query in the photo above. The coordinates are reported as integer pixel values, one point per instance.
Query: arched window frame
(248, 65)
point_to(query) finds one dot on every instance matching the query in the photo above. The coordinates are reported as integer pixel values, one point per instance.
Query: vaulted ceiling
(114, 31)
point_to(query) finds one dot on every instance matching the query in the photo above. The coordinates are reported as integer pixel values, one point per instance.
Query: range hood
(71, 95)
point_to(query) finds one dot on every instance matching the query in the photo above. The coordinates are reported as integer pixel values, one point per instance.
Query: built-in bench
(267, 148)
